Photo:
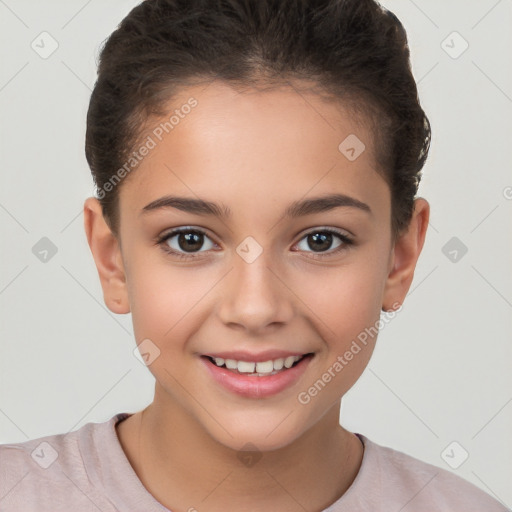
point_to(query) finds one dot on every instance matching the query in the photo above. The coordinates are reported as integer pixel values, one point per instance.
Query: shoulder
(412, 484)
(37, 457)
(50, 470)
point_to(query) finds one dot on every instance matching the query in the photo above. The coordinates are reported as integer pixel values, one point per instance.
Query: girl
(256, 165)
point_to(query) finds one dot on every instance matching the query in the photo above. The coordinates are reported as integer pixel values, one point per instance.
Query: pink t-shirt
(87, 470)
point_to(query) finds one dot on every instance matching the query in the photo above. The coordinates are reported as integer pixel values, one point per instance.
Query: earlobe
(107, 256)
(405, 255)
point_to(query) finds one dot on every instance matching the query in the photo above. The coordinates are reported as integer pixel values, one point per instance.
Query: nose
(255, 297)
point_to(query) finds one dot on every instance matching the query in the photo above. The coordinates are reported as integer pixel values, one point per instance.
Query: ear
(106, 252)
(405, 254)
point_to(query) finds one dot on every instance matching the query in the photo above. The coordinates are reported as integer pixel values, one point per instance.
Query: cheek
(345, 299)
(162, 299)
(167, 312)
(345, 305)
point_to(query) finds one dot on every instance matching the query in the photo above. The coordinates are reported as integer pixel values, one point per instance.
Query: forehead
(279, 116)
(264, 145)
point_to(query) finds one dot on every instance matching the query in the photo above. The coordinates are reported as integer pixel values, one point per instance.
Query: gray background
(441, 369)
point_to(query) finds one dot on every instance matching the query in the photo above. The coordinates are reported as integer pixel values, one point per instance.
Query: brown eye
(190, 242)
(183, 241)
(321, 241)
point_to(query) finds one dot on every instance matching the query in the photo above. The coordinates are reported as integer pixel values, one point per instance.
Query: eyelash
(162, 242)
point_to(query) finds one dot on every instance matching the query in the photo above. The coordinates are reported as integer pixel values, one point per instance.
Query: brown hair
(354, 50)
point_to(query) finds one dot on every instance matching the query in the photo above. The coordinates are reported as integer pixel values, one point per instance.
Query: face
(258, 277)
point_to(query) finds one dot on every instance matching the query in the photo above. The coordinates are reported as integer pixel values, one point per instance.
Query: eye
(321, 241)
(184, 242)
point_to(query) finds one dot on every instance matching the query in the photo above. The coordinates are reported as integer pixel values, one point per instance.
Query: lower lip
(253, 386)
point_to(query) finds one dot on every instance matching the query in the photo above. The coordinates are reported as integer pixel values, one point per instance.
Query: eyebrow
(296, 209)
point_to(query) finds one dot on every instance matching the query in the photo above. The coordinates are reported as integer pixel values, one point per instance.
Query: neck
(184, 468)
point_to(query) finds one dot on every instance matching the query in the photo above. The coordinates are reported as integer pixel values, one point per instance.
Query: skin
(255, 152)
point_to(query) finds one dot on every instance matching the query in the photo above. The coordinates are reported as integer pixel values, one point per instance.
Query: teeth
(289, 361)
(231, 364)
(266, 367)
(261, 368)
(245, 367)
(278, 364)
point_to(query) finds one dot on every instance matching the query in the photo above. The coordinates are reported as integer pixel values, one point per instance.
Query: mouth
(261, 379)
(260, 368)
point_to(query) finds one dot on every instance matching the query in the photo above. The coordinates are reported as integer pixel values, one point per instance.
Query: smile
(259, 379)
(260, 369)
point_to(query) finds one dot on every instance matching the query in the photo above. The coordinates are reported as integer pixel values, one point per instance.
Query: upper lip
(267, 355)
